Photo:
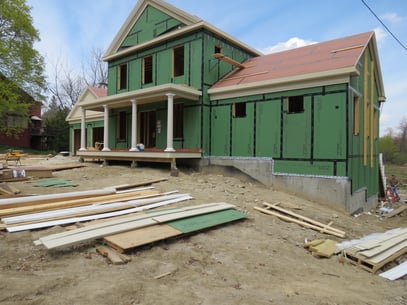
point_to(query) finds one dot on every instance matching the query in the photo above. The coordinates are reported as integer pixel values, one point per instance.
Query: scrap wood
(300, 220)
(115, 257)
(374, 251)
(133, 185)
(8, 189)
(321, 247)
(137, 221)
(397, 211)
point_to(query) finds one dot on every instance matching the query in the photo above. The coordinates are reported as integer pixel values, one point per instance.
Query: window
(178, 61)
(239, 110)
(295, 104)
(178, 120)
(356, 113)
(122, 77)
(148, 69)
(218, 49)
(16, 121)
(121, 125)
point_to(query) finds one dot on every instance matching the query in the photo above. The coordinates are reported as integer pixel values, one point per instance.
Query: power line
(388, 30)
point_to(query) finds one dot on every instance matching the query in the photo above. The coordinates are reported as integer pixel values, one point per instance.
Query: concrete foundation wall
(332, 191)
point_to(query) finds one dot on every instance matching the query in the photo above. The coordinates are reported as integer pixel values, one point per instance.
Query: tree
(21, 66)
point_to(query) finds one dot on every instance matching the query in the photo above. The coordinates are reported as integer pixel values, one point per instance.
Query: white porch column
(134, 125)
(170, 122)
(106, 129)
(83, 130)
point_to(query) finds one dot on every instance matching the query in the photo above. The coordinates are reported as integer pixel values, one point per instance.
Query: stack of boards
(124, 216)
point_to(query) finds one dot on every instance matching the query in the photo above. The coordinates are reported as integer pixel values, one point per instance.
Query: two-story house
(305, 120)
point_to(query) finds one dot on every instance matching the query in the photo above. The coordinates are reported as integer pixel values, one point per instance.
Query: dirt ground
(260, 260)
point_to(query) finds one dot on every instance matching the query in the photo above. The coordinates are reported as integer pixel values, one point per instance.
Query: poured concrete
(331, 191)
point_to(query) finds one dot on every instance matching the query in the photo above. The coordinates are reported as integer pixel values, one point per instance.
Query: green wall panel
(268, 129)
(307, 168)
(150, 24)
(297, 132)
(220, 131)
(242, 133)
(192, 127)
(330, 126)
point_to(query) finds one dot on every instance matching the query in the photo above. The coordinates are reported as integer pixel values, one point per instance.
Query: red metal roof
(99, 92)
(325, 56)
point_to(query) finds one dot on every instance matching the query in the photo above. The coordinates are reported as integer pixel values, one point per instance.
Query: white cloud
(291, 43)
(392, 17)
(380, 34)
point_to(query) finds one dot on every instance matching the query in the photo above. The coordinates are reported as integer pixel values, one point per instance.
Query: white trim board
(139, 221)
(95, 216)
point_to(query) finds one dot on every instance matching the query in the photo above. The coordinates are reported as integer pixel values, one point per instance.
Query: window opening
(239, 110)
(178, 120)
(178, 61)
(356, 113)
(148, 69)
(218, 49)
(121, 125)
(122, 77)
(295, 104)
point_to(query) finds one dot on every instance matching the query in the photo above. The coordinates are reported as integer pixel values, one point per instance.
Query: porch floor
(148, 155)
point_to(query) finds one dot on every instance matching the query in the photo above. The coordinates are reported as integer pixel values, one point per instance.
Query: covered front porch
(111, 149)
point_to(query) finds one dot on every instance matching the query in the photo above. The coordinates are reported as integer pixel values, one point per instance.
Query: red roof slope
(325, 56)
(99, 92)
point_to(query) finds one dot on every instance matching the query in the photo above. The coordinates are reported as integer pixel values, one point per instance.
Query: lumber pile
(287, 215)
(372, 254)
(114, 215)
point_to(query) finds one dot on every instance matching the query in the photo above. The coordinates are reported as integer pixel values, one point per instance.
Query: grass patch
(5, 148)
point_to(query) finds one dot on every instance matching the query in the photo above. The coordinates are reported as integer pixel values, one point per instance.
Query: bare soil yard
(260, 260)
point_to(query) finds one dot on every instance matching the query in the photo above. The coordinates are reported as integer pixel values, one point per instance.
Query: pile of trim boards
(124, 216)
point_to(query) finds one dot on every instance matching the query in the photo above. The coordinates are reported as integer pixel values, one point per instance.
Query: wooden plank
(304, 218)
(121, 220)
(30, 200)
(115, 257)
(144, 183)
(299, 222)
(383, 246)
(94, 216)
(397, 211)
(75, 202)
(87, 209)
(143, 236)
(143, 221)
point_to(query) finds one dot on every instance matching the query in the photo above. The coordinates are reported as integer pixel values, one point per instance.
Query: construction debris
(321, 247)
(373, 252)
(307, 222)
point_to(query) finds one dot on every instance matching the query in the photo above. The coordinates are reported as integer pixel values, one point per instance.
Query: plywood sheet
(200, 222)
(143, 236)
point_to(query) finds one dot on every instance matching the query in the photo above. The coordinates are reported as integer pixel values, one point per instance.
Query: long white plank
(38, 198)
(122, 227)
(87, 208)
(122, 220)
(51, 223)
(396, 272)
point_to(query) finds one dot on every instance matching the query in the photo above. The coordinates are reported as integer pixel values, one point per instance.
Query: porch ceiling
(144, 96)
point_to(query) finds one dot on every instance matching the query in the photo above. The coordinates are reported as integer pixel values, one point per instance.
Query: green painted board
(200, 222)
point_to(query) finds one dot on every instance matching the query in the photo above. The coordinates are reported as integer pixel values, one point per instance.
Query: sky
(71, 29)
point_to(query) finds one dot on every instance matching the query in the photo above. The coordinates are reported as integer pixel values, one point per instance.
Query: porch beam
(106, 128)
(83, 130)
(170, 122)
(134, 125)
